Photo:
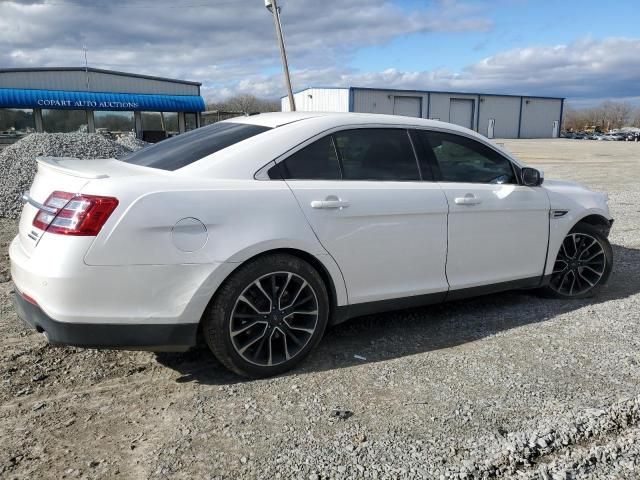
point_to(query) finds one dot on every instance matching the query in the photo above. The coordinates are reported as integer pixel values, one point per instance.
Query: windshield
(182, 150)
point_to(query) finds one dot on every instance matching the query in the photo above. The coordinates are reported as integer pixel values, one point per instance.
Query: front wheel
(267, 316)
(583, 264)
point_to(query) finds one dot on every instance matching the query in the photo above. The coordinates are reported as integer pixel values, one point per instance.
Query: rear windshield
(182, 150)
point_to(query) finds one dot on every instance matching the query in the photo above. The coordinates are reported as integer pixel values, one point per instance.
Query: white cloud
(587, 70)
(229, 46)
(222, 43)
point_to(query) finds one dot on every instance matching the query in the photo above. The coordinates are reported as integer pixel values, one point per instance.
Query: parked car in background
(616, 137)
(259, 232)
(632, 136)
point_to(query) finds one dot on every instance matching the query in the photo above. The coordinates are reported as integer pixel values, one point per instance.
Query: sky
(586, 51)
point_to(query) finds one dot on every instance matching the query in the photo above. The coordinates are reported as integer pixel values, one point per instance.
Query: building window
(114, 122)
(151, 121)
(190, 121)
(164, 121)
(63, 121)
(157, 126)
(171, 123)
(15, 123)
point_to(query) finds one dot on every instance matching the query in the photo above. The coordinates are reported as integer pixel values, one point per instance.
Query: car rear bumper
(65, 289)
(154, 337)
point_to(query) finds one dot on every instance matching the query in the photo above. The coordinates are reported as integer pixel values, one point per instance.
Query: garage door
(461, 112)
(407, 106)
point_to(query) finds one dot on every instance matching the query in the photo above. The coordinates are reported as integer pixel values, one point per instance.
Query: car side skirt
(344, 313)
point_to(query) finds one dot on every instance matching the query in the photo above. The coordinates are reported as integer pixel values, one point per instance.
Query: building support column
(37, 116)
(520, 118)
(137, 120)
(91, 124)
(182, 127)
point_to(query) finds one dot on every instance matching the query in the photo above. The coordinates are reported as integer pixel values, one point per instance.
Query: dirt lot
(509, 385)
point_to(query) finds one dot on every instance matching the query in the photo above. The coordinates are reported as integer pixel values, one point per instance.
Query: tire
(261, 322)
(572, 276)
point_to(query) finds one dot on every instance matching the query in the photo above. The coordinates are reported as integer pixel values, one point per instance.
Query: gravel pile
(18, 161)
(132, 143)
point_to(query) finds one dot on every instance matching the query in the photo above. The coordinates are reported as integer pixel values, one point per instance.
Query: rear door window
(182, 150)
(376, 154)
(317, 161)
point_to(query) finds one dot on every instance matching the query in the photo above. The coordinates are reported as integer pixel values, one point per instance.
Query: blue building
(79, 99)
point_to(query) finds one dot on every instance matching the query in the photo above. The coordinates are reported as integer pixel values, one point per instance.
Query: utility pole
(272, 6)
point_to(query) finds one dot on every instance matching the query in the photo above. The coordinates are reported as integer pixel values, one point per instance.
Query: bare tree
(608, 115)
(574, 120)
(245, 103)
(615, 114)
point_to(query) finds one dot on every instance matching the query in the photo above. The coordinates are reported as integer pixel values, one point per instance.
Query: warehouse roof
(425, 91)
(97, 70)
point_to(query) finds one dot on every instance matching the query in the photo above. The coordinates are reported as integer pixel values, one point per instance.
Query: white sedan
(258, 232)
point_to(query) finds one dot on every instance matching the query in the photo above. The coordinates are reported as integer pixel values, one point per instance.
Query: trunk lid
(67, 175)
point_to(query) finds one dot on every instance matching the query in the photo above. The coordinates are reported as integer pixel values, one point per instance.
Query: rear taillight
(69, 214)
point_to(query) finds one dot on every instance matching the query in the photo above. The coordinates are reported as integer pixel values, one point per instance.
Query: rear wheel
(267, 316)
(583, 264)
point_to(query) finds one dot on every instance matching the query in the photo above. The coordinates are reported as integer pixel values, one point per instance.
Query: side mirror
(531, 177)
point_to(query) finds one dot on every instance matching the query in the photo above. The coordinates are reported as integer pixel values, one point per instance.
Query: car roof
(337, 119)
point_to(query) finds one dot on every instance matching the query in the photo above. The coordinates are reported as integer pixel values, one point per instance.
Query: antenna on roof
(86, 65)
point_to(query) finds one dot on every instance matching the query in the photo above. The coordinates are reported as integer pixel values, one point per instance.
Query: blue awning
(63, 100)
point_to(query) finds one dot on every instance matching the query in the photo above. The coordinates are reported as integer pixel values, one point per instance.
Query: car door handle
(468, 199)
(330, 202)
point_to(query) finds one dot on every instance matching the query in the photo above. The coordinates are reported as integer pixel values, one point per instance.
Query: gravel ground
(509, 385)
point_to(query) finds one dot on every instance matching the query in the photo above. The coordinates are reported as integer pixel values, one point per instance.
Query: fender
(559, 227)
(198, 303)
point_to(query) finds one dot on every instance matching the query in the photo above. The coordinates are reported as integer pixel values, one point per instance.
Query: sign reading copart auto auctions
(70, 100)
(51, 102)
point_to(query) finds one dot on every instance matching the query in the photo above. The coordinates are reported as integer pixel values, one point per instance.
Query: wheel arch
(597, 221)
(315, 263)
(559, 228)
(327, 270)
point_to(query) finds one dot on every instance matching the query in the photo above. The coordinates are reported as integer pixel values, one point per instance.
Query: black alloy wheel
(273, 319)
(583, 264)
(267, 316)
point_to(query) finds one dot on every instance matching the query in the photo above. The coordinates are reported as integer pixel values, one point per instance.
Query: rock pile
(132, 143)
(18, 161)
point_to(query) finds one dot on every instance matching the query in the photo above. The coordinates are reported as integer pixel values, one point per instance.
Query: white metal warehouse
(495, 116)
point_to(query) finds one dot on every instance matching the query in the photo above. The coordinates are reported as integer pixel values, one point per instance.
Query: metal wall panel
(538, 115)
(441, 106)
(407, 106)
(319, 100)
(505, 111)
(382, 101)
(461, 112)
(73, 80)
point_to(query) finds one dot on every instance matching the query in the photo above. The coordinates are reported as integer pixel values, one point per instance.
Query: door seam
(446, 257)
(344, 282)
